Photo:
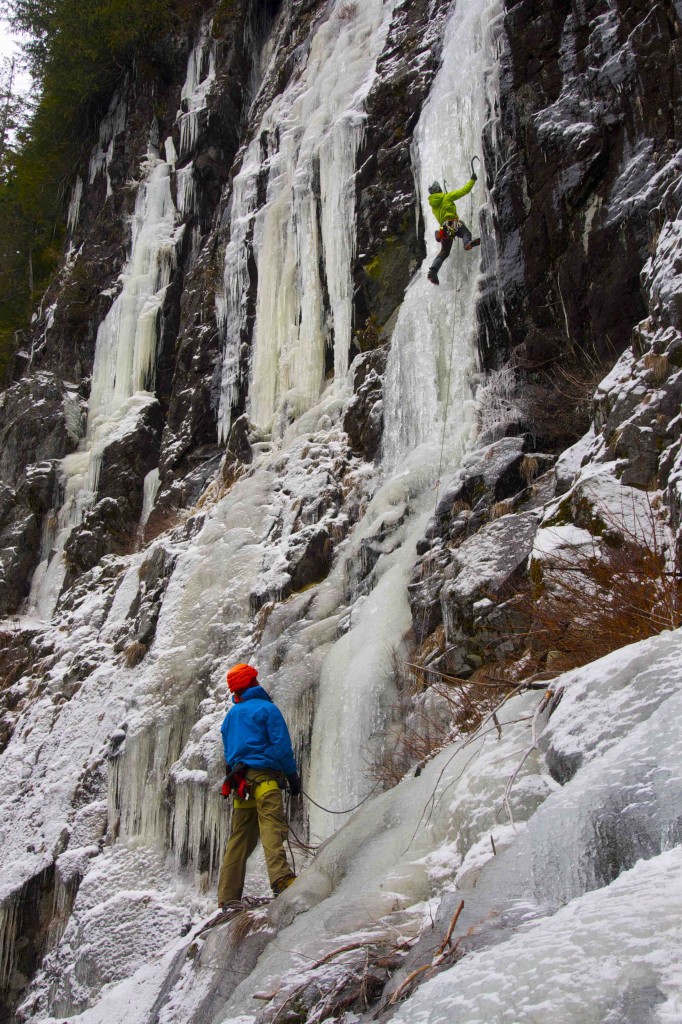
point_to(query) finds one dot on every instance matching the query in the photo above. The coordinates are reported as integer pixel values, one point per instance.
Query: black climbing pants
(450, 232)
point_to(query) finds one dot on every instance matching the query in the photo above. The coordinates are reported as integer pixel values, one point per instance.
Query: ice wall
(124, 369)
(304, 234)
(428, 399)
(428, 420)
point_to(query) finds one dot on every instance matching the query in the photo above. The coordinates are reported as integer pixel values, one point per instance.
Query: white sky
(8, 46)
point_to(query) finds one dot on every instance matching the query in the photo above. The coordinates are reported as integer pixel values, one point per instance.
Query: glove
(474, 176)
(226, 787)
(294, 782)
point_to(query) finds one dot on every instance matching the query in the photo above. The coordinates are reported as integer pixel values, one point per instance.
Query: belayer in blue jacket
(259, 756)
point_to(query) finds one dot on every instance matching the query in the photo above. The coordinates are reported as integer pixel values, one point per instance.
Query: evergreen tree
(77, 52)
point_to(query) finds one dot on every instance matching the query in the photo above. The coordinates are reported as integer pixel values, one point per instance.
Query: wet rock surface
(576, 204)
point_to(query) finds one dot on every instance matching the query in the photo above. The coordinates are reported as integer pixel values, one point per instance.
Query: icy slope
(591, 866)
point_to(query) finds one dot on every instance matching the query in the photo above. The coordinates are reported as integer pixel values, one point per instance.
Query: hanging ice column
(125, 355)
(124, 366)
(313, 130)
(201, 69)
(427, 393)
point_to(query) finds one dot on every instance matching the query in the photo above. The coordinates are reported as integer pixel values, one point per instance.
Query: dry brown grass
(658, 365)
(592, 605)
(501, 508)
(529, 469)
(134, 653)
(460, 707)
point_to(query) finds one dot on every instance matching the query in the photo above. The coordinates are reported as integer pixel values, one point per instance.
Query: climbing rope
(313, 847)
(349, 809)
(449, 381)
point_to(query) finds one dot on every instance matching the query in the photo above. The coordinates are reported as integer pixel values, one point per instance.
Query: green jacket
(443, 203)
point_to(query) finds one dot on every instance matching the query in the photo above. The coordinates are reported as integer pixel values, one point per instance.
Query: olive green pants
(263, 816)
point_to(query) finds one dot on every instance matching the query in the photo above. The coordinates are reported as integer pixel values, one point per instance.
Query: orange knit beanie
(240, 677)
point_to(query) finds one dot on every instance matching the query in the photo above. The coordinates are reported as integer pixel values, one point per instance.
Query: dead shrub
(368, 337)
(414, 746)
(585, 604)
(462, 705)
(161, 521)
(134, 653)
(556, 401)
(348, 11)
(657, 365)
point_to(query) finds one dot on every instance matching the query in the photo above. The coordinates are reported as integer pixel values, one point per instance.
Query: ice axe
(472, 165)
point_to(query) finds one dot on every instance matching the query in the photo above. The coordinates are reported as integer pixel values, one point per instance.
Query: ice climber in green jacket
(445, 212)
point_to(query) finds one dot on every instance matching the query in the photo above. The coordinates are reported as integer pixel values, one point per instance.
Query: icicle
(152, 482)
(112, 126)
(74, 205)
(200, 826)
(169, 151)
(201, 71)
(186, 191)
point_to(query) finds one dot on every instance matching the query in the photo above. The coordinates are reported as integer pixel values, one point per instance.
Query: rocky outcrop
(585, 147)
(41, 420)
(364, 417)
(475, 552)
(111, 525)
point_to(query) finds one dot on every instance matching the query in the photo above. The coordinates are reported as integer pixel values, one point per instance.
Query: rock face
(589, 128)
(41, 420)
(110, 525)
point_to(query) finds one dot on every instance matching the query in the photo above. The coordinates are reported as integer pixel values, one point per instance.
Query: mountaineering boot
(472, 244)
(283, 883)
(432, 276)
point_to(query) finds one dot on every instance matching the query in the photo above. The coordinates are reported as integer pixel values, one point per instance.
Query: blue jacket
(255, 733)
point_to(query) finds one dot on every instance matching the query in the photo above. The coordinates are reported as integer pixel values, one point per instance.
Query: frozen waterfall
(124, 369)
(306, 146)
(428, 420)
(428, 400)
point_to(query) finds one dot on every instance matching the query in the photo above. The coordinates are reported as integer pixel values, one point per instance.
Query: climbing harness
(449, 229)
(245, 792)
